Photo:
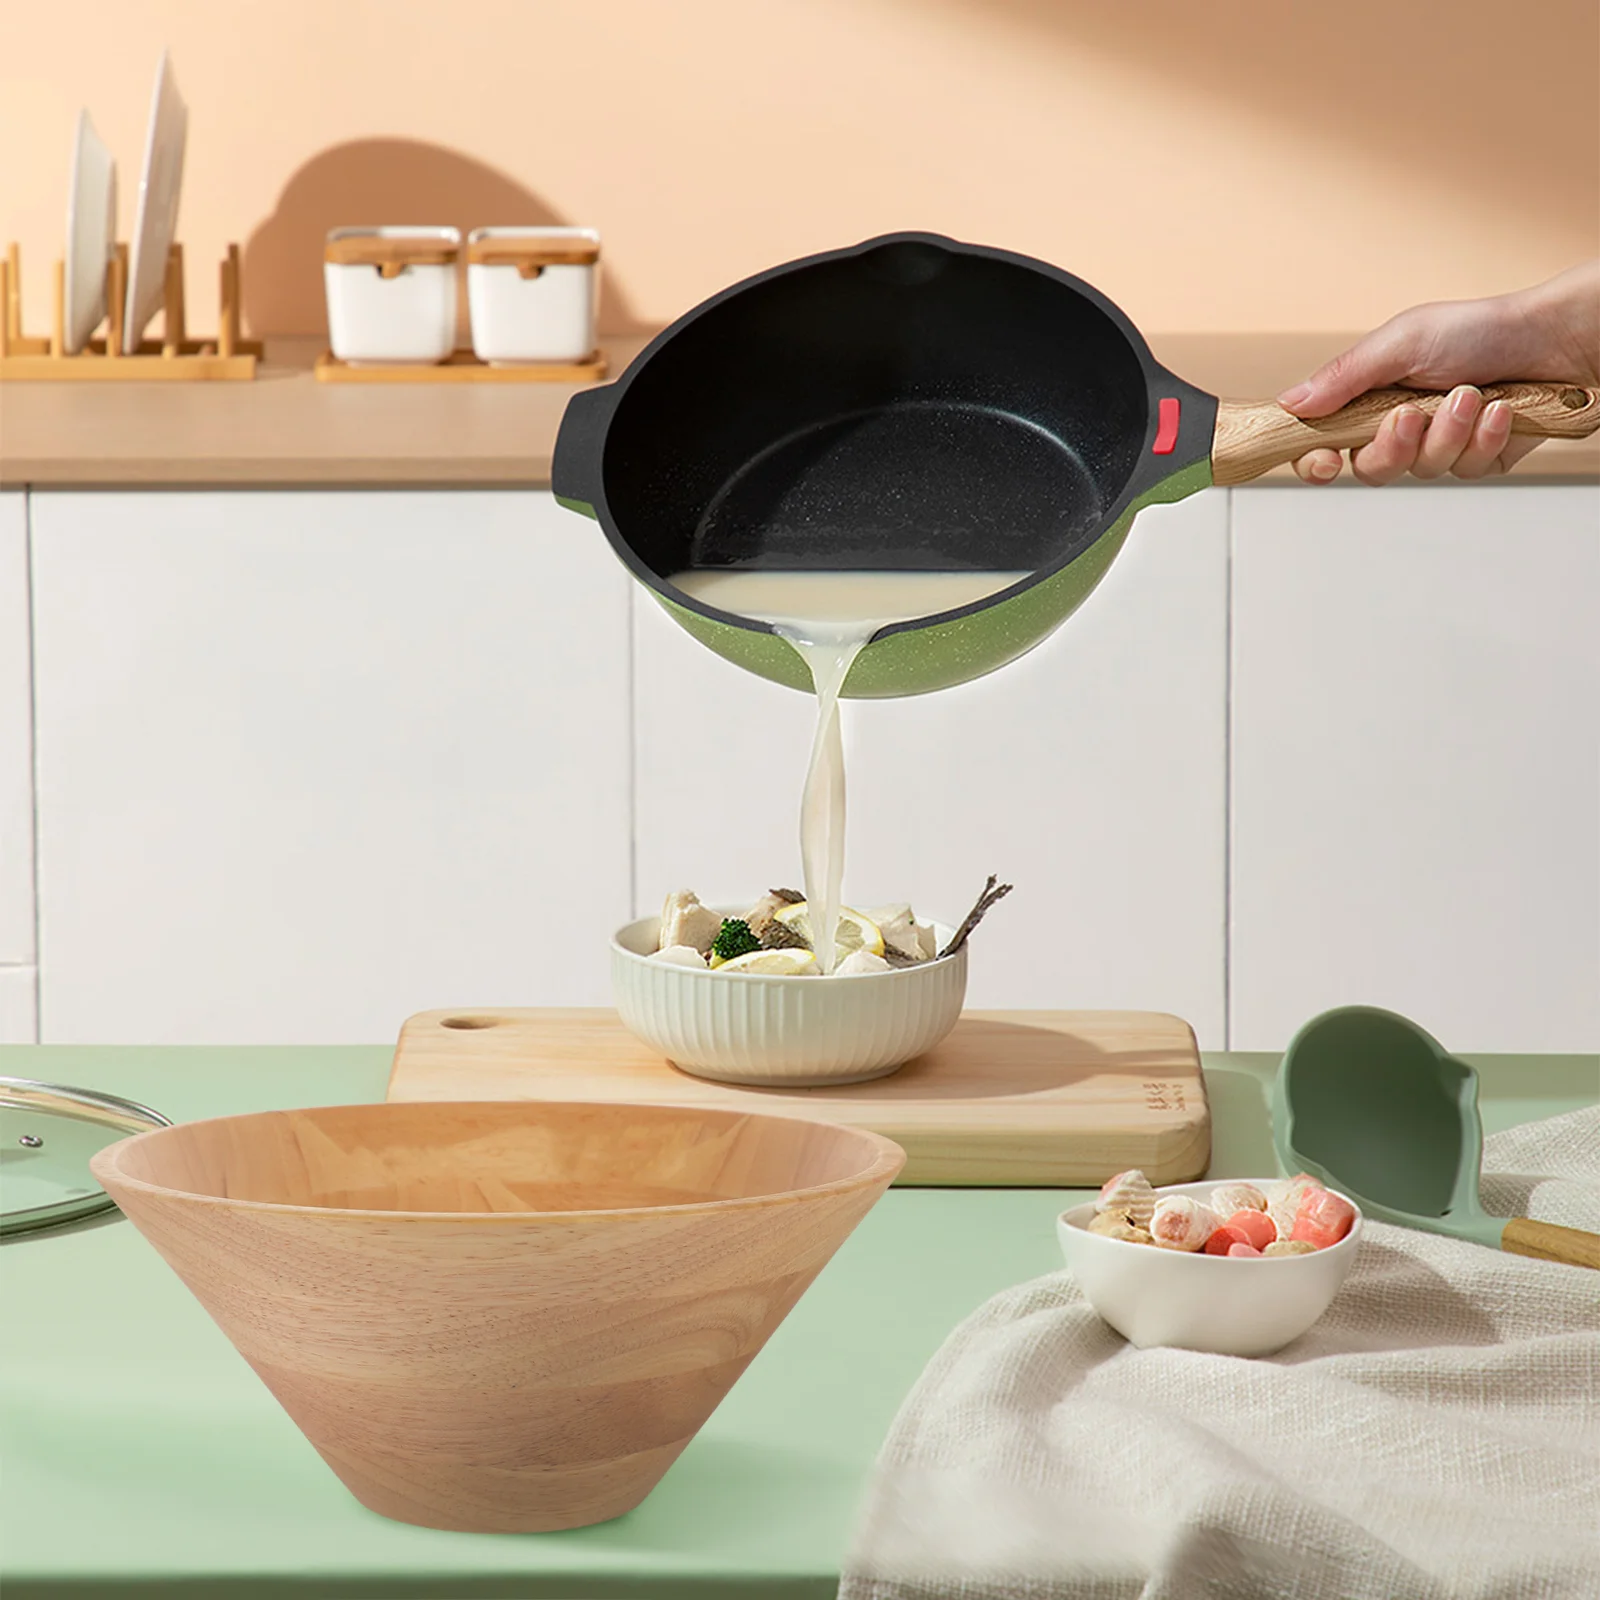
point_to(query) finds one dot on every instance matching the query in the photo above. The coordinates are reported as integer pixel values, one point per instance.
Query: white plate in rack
(91, 234)
(157, 222)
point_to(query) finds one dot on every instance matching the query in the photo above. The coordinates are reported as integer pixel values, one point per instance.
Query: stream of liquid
(829, 618)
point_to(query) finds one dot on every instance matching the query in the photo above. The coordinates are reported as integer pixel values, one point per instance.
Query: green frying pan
(918, 404)
(1375, 1107)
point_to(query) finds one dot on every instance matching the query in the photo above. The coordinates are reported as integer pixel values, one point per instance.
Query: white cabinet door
(1416, 762)
(1091, 775)
(16, 739)
(310, 762)
(18, 1017)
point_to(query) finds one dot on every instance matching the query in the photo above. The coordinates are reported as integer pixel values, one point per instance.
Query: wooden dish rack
(174, 357)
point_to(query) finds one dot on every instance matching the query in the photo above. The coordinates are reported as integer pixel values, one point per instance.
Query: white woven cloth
(1436, 1435)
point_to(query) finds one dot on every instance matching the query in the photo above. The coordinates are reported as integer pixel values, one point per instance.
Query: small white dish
(156, 223)
(91, 234)
(774, 1032)
(391, 294)
(1225, 1305)
(533, 293)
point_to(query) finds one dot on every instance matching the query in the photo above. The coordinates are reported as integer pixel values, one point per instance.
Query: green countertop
(140, 1456)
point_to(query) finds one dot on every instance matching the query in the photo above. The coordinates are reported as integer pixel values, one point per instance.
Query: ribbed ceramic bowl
(1221, 1304)
(783, 1032)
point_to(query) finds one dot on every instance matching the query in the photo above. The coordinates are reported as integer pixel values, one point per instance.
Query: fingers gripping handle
(1254, 436)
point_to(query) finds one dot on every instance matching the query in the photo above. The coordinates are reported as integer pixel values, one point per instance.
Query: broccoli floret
(733, 939)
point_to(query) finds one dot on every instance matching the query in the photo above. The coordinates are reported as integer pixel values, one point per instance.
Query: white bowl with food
(764, 1014)
(1193, 1295)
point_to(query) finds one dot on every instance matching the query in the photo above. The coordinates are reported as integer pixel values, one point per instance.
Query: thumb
(1386, 355)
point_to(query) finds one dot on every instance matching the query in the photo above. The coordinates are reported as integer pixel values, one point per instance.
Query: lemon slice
(790, 963)
(855, 932)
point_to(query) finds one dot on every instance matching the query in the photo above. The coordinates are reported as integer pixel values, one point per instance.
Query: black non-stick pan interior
(906, 407)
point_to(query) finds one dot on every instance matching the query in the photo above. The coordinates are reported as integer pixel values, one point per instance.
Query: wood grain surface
(286, 429)
(498, 1318)
(174, 358)
(403, 250)
(1023, 1098)
(461, 366)
(1254, 436)
(530, 250)
(1549, 1241)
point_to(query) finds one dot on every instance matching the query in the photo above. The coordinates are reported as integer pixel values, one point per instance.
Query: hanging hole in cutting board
(469, 1022)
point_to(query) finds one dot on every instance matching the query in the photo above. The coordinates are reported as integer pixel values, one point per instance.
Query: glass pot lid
(48, 1132)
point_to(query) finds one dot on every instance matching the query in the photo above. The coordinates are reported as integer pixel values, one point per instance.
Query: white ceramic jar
(533, 293)
(391, 293)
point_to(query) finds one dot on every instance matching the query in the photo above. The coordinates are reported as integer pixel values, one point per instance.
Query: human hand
(1550, 332)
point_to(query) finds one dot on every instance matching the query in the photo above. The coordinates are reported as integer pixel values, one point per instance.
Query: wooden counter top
(285, 429)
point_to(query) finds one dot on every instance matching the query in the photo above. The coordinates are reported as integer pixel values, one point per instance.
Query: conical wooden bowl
(498, 1317)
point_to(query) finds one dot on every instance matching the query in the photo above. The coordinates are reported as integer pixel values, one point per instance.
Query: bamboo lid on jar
(530, 253)
(391, 253)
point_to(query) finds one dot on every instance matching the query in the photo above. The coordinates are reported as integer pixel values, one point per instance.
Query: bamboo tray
(1034, 1099)
(175, 357)
(461, 366)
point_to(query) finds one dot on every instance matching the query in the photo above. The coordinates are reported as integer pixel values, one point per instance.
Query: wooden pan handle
(1551, 1242)
(1253, 436)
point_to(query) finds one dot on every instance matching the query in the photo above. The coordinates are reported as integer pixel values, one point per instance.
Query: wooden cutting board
(1033, 1099)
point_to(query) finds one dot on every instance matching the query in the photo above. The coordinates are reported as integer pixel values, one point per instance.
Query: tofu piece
(859, 962)
(684, 921)
(903, 934)
(679, 955)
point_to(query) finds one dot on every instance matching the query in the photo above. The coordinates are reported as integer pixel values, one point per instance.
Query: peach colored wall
(1236, 165)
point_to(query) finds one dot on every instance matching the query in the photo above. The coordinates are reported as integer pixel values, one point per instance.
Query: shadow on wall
(387, 181)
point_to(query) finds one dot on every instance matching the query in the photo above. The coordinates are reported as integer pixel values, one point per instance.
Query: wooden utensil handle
(1551, 1242)
(1253, 436)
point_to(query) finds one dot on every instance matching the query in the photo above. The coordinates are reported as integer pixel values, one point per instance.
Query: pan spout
(908, 262)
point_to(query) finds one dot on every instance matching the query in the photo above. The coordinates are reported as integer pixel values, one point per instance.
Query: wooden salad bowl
(498, 1317)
